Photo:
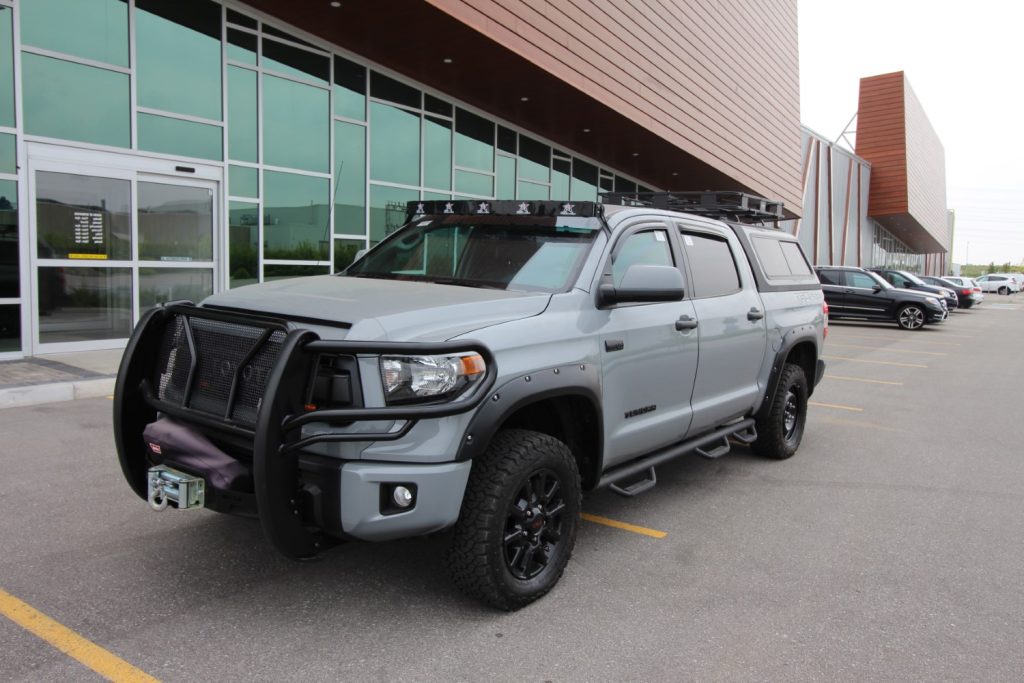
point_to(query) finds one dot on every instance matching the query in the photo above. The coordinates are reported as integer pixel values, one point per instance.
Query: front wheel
(1004, 290)
(780, 431)
(910, 317)
(518, 522)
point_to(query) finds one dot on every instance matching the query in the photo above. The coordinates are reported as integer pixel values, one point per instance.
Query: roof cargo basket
(729, 205)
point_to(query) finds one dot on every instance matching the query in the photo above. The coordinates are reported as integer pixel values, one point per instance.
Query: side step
(709, 445)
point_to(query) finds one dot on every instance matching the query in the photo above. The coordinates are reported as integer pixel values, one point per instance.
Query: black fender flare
(573, 379)
(799, 335)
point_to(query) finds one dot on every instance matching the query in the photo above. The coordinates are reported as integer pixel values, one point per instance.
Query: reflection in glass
(97, 29)
(296, 219)
(345, 253)
(474, 141)
(534, 160)
(102, 114)
(243, 181)
(527, 190)
(82, 217)
(623, 185)
(159, 285)
(349, 89)
(506, 140)
(295, 61)
(273, 271)
(243, 144)
(242, 46)
(84, 304)
(388, 207)
(584, 182)
(10, 284)
(10, 328)
(8, 154)
(474, 183)
(243, 243)
(175, 222)
(296, 120)
(6, 68)
(560, 178)
(437, 153)
(179, 137)
(349, 179)
(386, 88)
(240, 19)
(178, 46)
(394, 144)
(435, 105)
(505, 179)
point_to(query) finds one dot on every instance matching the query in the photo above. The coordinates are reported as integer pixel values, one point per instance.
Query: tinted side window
(855, 279)
(831, 277)
(795, 258)
(712, 265)
(650, 248)
(769, 253)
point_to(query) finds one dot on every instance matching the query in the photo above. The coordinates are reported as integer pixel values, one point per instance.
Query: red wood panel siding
(716, 79)
(908, 168)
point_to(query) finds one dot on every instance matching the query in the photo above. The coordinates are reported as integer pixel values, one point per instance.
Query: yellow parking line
(653, 533)
(101, 661)
(862, 379)
(888, 350)
(875, 362)
(836, 406)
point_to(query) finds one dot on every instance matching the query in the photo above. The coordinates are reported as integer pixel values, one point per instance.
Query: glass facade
(318, 153)
(888, 251)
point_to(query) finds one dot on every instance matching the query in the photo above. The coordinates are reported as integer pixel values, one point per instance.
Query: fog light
(402, 496)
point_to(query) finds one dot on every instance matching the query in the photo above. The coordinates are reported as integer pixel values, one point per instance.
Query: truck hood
(394, 310)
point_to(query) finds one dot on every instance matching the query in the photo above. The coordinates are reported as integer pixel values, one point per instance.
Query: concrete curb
(34, 394)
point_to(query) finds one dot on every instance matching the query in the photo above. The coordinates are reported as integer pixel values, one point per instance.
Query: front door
(110, 241)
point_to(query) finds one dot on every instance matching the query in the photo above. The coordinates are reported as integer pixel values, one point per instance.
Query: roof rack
(736, 206)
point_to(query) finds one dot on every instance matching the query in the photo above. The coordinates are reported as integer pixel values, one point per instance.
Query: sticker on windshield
(659, 236)
(688, 240)
(423, 224)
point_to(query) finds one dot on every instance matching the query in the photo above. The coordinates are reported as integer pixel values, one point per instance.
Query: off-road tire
(492, 511)
(777, 437)
(905, 320)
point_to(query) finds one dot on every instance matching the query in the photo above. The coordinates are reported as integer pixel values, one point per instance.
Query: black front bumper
(252, 392)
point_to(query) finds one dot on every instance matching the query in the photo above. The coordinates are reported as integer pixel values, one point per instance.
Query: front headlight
(933, 302)
(422, 378)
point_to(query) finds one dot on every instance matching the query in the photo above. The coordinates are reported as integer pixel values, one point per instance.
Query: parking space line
(888, 350)
(836, 406)
(597, 519)
(101, 661)
(875, 362)
(863, 379)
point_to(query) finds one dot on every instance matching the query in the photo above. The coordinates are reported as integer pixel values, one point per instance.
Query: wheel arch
(804, 352)
(563, 403)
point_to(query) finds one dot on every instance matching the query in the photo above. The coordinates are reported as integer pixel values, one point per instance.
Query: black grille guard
(276, 435)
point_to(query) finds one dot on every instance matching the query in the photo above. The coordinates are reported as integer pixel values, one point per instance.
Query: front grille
(224, 350)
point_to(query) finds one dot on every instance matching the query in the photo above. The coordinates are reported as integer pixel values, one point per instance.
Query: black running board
(646, 463)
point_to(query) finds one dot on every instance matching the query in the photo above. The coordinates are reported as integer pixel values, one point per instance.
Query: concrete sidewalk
(58, 377)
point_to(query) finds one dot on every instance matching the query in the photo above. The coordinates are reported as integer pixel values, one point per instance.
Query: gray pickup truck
(476, 371)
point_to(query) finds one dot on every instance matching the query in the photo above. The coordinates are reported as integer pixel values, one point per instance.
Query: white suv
(1001, 283)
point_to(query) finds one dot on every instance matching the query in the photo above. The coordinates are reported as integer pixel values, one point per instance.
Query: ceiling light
(447, 60)
(335, 4)
(586, 130)
(636, 154)
(524, 99)
(675, 172)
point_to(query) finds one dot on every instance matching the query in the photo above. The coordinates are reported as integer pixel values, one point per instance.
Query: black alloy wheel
(533, 527)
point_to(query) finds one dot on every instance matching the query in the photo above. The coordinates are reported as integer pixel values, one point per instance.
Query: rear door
(648, 363)
(732, 333)
(834, 289)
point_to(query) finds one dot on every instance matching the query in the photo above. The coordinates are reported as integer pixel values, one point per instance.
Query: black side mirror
(644, 284)
(877, 288)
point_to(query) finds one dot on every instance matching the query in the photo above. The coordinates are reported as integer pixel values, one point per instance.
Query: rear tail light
(966, 292)
(824, 309)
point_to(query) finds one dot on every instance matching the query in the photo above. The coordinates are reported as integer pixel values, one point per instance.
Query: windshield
(505, 252)
(913, 278)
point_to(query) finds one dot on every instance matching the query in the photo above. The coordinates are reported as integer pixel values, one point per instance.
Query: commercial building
(885, 204)
(164, 149)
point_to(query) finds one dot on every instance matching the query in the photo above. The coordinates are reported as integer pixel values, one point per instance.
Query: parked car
(859, 293)
(903, 279)
(976, 296)
(964, 293)
(998, 284)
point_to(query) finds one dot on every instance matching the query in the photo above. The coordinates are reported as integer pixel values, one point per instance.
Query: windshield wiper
(464, 283)
(378, 276)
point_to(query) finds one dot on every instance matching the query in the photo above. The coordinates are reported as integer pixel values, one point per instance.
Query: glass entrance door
(111, 243)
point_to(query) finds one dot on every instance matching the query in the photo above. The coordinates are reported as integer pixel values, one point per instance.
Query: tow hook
(167, 485)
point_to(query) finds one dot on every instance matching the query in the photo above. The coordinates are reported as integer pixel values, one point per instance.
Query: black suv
(906, 280)
(858, 293)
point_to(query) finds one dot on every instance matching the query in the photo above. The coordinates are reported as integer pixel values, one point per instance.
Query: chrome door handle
(685, 322)
(754, 314)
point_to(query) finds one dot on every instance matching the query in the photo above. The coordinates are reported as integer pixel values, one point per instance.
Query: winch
(168, 485)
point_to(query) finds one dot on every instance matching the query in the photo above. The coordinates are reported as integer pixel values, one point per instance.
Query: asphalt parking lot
(888, 548)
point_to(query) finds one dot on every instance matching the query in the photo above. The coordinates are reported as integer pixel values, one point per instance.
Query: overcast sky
(965, 63)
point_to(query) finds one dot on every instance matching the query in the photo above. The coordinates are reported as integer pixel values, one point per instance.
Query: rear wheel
(518, 523)
(780, 431)
(910, 317)
(1004, 290)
